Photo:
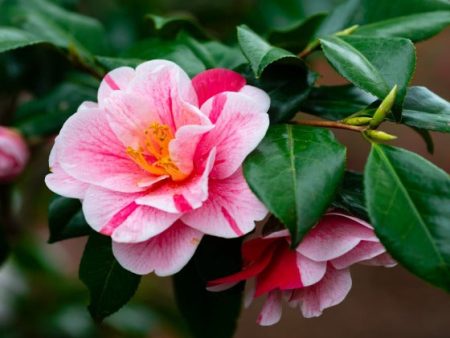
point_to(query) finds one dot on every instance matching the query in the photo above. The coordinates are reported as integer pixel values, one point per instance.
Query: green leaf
(295, 172)
(225, 56)
(350, 196)
(373, 11)
(336, 102)
(426, 110)
(66, 219)
(170, 26)
(111, 63)
(210, 314)
(295, 38)
(288, 85)
(340, 17)
(12, 38)
(427, 138)
(259, 53)
(54, 24)
(415, 27)
(362, 60)
(110, 286)
(173, 50)
(46, 115)
(407, 199)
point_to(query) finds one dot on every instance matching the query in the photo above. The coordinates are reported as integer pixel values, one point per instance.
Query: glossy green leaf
(110, 286)
(295, 172)
(170, 26)
(350, 196)
(415, 27)
(51, 23)
(12, 38)
(424, 109)
(336, 102)
(259, 53)
(341, 17)
(225, 56)
(66, 219)
(46, 115)
(210, 314)
(111, 63)
(173, 50)
(295, 38)
(362, 60)
(288, 85)
(407, 199)
(380, 10)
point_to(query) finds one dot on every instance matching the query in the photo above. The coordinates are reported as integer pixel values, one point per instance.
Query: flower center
(154, 157)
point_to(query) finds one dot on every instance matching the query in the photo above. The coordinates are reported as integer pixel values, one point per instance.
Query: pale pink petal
(180, 198)
(230, 211)
(89, 151)
(168, 92)
(310, 271)
(334, 236)
(355, 219)
(117, 215)
(381, 260)
(330, 291)
(165, 254)
(279, 234)
(241, 123)
(271, 311)
(363, 251)
(182, 147)
(117, 79)
(249, 292)
(256, 94)
(62, 183)
(214, 81)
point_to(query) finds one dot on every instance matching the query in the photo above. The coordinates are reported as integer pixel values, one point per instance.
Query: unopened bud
(384, 108)
(13, 154)
(358, 121)
(379, 136)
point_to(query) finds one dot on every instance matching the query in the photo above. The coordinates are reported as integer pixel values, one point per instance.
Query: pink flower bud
(13, 154)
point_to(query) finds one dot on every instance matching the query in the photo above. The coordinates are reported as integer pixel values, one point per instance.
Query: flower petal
(241, 123)
(181, 197)
(271, 311)
(117, 79)
(214, 81)
(330, 291)
(334, 236)
(381, 260)
(117, 215)
(62, 183)
(165, 254)
(230, 211)
(362, 252)
(89, 151)
(168, 92)
(310, 271)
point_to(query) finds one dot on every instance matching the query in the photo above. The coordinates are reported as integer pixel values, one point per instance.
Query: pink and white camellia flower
(13, 154)
(157, 161)
(313, 277)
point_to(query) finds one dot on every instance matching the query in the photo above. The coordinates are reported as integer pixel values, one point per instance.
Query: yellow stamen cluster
(156, 144)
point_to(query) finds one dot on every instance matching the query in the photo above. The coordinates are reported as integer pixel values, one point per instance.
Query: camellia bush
(208, 155)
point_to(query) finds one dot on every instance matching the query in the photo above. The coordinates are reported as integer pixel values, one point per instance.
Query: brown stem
(329, 124)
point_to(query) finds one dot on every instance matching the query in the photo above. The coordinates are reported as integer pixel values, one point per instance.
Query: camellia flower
(157, 161)
(313, 277)
(13, 154)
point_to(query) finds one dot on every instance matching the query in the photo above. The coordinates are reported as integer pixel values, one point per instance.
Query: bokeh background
(40, 294)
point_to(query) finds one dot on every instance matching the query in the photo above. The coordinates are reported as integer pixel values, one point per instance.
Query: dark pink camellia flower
(13, 154)
(313, 277)
(157, 161)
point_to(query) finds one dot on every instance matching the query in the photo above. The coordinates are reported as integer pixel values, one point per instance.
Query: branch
(329, 124)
